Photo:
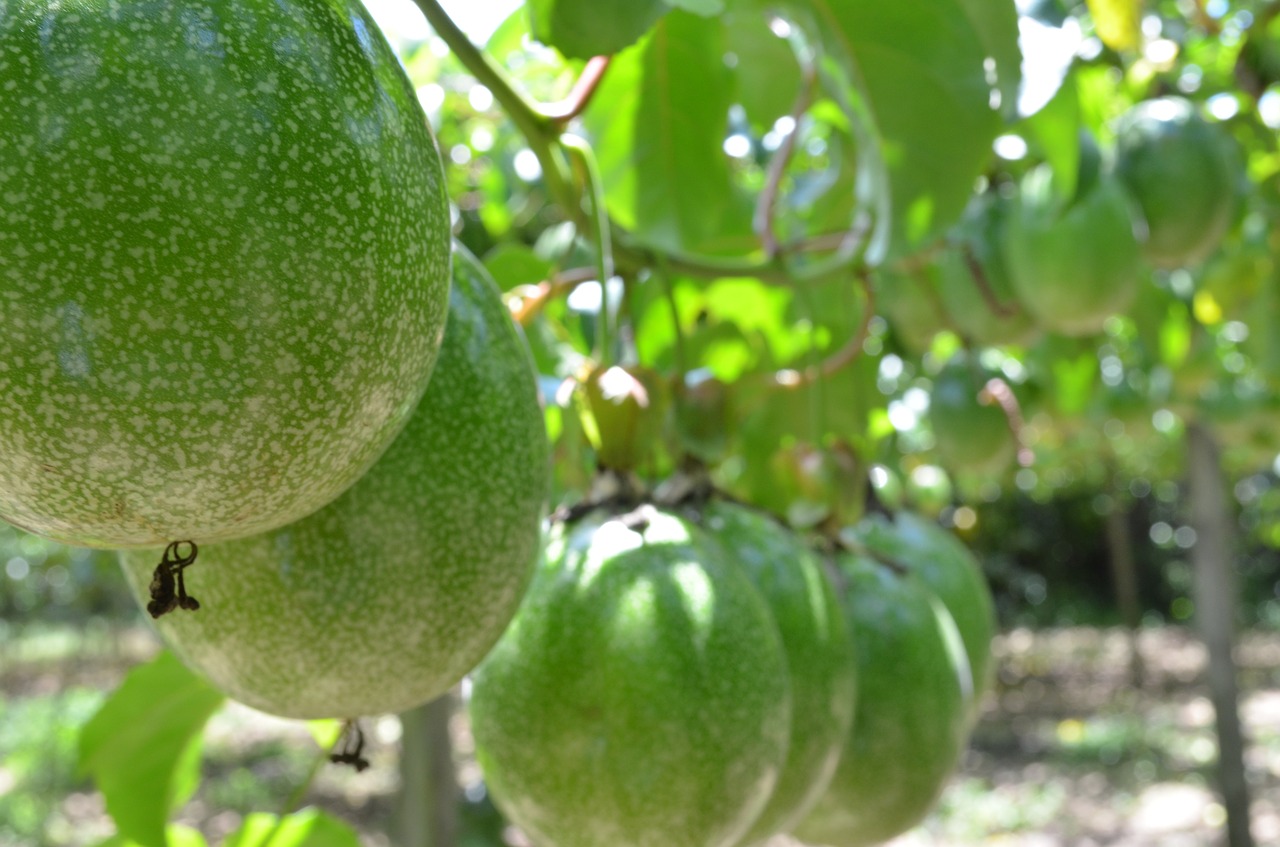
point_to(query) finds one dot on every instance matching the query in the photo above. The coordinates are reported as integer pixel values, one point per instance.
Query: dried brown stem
(526, 302)
(998, 391)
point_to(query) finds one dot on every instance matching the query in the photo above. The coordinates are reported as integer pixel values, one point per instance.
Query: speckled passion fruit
(387, 596)
(820, 658)
(909, 724)
(970, 435)
(640, 697)
(224, 263)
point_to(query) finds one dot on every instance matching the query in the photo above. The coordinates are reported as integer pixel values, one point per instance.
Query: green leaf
(307, 828)
(657, 124)
(516, 264)
(1056, 131)
(997, 24)
(142, 746)
(921, 66)
(706, 8)
(581, 29)
(179, 835)
(766, 75)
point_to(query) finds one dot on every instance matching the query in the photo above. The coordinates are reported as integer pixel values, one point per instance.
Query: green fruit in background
(970, 435)
(1183, 173)
(910, 720)
(909, 301)
(952, 572)
(386, 597)
(972, 312)
(224, 263)
(819, 652)
(640, 697)
(929, 489)
(1072, 267)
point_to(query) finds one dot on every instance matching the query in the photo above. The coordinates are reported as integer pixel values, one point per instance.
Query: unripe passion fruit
(387, 596)
(640, 697)
(819, 651)
(224, 263)
(1074, 266)
(1183, 174)
(909, 723)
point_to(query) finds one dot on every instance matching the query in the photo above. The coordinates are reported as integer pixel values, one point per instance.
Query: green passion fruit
(993, 316)
(951, 571)
(909, 302)
(1072, 266)
(970, 435)
(1183, 174)
(386, 597)
(640, 697)
(819, 652)
(224, 263)
(910, 721)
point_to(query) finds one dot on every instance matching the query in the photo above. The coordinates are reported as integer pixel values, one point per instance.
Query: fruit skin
(1073, 267)
(386, 597)
(1182, 172)
(640, 698)
(969, 434)
(909, 301)
(819, 652)
(949, 569)
(224, 263)
(909, 724)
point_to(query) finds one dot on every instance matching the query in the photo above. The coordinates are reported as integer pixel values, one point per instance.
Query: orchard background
(785, 213)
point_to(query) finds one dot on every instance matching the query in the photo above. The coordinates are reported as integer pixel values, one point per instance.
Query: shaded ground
(1070, 751)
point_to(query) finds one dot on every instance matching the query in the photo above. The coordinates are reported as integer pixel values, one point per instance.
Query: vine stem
(765, 223)
(539, 130)
(998, 391)
(580, 95)
(840, 359)
(983, 283)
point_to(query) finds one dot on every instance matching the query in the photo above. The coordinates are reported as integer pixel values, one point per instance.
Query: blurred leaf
(997, 24)
(922, 67)
(1056, 131)
(516, 264)
(307, 828)
(179, 835)
(142, 746)
(767, 75)
(658, 123)
(706, 8)
(1118, 22)
(581, 29)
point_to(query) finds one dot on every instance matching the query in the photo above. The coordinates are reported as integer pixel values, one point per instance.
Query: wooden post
(1214, 594)
(427, 806)
(1124, 580)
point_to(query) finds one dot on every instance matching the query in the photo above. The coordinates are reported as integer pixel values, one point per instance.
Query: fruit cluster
(699, 676)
